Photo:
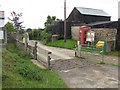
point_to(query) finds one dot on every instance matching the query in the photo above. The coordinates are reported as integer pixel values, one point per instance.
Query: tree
(15, 19)
(9, 27)
(46, 33)
(29, 30)
(50, 22)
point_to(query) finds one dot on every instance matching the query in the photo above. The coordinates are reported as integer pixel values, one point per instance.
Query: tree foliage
(9, 27)
(44, 34)
(45, 37)
(29, 30)
(35, 34)
(50, 22)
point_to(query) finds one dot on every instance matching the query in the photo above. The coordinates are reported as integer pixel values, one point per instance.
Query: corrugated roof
(102, 22)
(90, 11)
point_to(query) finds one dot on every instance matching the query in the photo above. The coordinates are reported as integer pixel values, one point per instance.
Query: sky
(35, 12)
(119, 10)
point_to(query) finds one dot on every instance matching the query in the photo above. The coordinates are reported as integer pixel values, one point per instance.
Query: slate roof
(90, 11)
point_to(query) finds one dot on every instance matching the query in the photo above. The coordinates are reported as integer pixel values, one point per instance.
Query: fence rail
(43, 56)
(37, 52)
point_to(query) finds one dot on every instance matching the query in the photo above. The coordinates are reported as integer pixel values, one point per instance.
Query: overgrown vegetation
(70, 44)
(114, 53)
(19, 71)
(35, 34)
(9, 27)
(43, 34)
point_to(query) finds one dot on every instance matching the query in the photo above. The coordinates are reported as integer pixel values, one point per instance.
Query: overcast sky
(119, 10)
(35, 12)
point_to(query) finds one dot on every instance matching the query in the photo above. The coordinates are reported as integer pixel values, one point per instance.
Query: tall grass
(19, 71)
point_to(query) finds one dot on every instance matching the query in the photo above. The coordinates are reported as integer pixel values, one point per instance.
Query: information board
(90, 36)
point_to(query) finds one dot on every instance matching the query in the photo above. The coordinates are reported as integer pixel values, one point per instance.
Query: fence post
(25, 43)
(49, 60)
(35, 51)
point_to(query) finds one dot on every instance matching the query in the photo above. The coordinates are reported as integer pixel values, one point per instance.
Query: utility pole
(117, 47)
(64, 20)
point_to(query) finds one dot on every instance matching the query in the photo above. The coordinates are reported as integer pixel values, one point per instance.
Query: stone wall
(75, 32)
(108, 34)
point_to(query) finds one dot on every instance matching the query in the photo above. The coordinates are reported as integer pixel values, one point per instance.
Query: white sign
(90, 36)
(1, 35)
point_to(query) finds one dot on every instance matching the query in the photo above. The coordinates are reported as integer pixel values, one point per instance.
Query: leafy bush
(35, 34)
(10, 27)
(45, 37)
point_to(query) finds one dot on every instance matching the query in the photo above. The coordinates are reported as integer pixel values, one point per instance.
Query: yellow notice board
(100, 44)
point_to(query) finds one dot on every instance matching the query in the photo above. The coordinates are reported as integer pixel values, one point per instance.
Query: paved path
(84, 73)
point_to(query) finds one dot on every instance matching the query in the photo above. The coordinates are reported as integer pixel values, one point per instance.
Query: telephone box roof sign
(83, 27)
(1, 14)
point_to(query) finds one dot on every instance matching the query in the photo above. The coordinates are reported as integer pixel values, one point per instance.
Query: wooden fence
(43, 56)
(37, 52)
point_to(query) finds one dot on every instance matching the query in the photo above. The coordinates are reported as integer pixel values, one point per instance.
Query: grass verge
(114, 53)
(19, 71)
(70, 44)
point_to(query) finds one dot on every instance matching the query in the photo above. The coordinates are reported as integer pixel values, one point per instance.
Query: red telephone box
(82, 34)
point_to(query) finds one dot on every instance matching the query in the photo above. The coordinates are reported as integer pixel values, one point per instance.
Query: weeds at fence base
(101, 62)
